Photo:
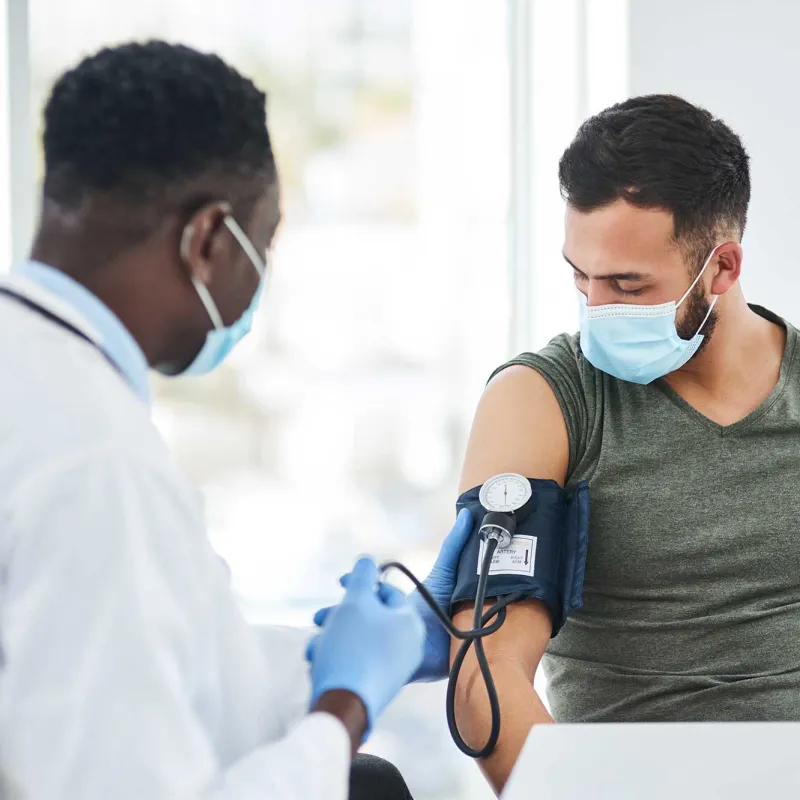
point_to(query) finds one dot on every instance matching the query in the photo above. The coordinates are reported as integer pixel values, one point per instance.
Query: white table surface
(673, 761)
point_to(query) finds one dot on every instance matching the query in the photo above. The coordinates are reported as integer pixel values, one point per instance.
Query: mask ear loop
(262, 264)
(710, 309)
(246, 245)
(694, 283)
(201, 289)
(699, 275)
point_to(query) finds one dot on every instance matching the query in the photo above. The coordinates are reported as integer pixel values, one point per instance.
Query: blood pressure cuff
(547, 556)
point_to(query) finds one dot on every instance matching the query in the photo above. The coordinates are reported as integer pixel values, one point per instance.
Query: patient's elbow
(515, 650)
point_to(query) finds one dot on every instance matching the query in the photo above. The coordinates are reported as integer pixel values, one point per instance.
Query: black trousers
(372, 778)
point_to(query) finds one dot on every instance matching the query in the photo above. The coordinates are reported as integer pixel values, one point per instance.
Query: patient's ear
(726, 267)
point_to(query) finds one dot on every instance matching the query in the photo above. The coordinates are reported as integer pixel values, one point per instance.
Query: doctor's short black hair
(662, 152)
(156, 127)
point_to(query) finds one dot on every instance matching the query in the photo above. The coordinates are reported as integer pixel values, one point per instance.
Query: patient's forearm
(513, 668)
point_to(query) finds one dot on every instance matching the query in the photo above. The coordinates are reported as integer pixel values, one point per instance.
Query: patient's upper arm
(518, 427)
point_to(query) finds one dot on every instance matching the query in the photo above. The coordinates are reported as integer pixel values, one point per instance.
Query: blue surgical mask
(638, 343)
(221, 339)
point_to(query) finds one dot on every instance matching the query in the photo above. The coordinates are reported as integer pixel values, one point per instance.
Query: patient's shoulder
(544, 402)
(561, 363)
(518, 427)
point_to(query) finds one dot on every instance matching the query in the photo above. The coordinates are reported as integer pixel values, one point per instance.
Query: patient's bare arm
(518, 427)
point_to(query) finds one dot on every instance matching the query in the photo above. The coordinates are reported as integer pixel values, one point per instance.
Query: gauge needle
(505, 495)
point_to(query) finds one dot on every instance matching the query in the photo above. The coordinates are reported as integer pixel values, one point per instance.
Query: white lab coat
(126, 669)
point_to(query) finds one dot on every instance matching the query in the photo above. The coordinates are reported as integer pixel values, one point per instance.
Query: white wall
(741, 60)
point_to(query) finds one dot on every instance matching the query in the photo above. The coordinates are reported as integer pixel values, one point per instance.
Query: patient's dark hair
(153, 127)
(662, 152)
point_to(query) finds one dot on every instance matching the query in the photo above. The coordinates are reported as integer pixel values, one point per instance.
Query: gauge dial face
(505, 492)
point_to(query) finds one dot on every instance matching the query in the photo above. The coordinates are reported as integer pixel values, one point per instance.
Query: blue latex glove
(370, 644)
(440, 583)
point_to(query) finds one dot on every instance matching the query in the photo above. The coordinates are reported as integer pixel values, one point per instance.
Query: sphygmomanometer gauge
(505, 493)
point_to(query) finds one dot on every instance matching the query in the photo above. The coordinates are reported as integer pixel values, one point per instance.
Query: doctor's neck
(124, 271)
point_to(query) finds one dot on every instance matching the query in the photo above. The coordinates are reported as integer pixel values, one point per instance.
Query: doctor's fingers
(389, 595)
(455, 540)
(311, 648)
(363, 577)
(322, 615)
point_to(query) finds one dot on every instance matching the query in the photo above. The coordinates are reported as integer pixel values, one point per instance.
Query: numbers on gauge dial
(504, 493)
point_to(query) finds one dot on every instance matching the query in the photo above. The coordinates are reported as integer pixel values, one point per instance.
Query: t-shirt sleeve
(574, 383)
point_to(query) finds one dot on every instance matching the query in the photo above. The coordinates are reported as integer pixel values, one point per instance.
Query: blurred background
(417, 142)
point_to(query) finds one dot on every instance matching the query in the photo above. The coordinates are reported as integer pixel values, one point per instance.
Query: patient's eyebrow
(614, 276)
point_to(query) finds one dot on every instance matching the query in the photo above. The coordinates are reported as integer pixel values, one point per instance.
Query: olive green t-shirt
(692, 594)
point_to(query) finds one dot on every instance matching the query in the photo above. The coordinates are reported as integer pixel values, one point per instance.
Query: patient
(680, 404)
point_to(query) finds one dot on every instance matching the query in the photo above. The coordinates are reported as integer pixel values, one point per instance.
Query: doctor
(126, 669)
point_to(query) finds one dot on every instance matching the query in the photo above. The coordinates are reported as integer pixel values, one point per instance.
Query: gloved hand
(441, 584)
(370, 644)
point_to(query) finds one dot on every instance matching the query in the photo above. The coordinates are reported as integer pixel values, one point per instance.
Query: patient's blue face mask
(638, 343)
(221, 339)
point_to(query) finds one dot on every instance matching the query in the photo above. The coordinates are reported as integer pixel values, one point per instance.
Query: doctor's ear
(201, 241)
(186, 239)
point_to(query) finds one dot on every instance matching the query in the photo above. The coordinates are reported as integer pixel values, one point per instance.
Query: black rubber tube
(445, 621)
(480, 628)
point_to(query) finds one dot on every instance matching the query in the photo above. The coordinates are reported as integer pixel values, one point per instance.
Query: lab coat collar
(69, 300)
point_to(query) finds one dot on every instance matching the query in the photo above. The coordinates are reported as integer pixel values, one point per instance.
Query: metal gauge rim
(522, 488)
